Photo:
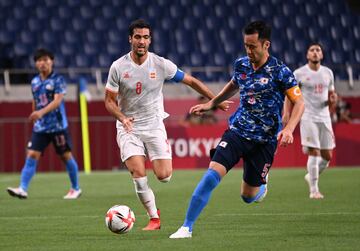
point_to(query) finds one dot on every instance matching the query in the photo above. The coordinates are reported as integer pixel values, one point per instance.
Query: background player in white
(317, 138)
(137, 79)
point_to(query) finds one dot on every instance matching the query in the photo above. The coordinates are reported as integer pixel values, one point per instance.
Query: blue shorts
(257, 157)
(61, 141)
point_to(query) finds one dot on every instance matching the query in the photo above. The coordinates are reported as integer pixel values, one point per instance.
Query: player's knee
(165, 179)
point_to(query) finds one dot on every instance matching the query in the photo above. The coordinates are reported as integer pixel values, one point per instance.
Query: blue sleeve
(60, 85)
(179, 76)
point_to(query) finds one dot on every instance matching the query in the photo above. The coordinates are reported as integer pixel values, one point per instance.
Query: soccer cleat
(72, 194)
(262, 197)
(181, 233)
(316, 195)
(154, 223)
(17, 192)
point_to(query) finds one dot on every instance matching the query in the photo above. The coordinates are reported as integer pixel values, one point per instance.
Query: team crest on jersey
(49, 86)
(243, 76)
(126, 75)
(152, 74)
(264, 80)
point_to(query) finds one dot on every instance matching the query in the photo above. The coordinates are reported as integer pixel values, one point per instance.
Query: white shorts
(318, 135)
(152, 143)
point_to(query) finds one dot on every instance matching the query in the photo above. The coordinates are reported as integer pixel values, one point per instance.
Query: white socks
(323, 164)
(313, 170)
(146, 196)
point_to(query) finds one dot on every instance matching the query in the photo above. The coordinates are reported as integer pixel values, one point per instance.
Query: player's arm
(35, 115)
(201, 88)
(333, 98)
(227, 92)
(295, 97)
(113, 108)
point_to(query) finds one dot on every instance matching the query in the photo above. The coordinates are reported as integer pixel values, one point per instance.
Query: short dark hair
(260, 27)
(315, 43)
(138, 24)
(42, 53)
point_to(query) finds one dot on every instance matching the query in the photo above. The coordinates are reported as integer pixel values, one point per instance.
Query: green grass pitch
(286, 220)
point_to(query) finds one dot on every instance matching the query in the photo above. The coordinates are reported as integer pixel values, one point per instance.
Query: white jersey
(315, 87)
(140, 88)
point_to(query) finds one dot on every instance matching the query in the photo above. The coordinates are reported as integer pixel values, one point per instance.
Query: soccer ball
(120, 219)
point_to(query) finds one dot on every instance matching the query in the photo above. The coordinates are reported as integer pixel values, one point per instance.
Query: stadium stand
(94, 33)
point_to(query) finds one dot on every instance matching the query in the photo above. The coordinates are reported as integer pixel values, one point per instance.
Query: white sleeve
(332, 81)
(169, 69)
(113, 80)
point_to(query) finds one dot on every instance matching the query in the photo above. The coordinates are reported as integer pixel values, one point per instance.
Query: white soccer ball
(120, 219)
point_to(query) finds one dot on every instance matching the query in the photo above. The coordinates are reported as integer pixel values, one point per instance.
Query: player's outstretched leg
(147, 198)
(27, 173)
(198, 201)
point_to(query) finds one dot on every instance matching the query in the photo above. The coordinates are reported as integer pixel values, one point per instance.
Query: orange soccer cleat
(154, 223)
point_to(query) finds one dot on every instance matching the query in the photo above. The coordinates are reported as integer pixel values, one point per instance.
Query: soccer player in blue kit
(255, 128)
(50, 125)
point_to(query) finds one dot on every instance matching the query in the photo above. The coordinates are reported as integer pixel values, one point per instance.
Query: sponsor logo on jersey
(153, 75)
(126, 75)
(264, 80)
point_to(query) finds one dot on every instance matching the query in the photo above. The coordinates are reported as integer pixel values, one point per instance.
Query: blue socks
(72, 169)
(257, 196)
(201, 196)
(27, 172)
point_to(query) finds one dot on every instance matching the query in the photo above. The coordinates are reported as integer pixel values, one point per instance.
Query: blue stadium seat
(96, 3)
(101, 24)
(27, 38)
(35, 25)
(20, 12)
(83, 60)
(109, 11)
(60, 61)
(42, 12)
(6, 37)
(13, 25)
(289, 9)
(115, 36)
(221, 10)
(21, 49)
(311, 8)
(67, 49)
(266, 11)
(324, 21)
(87, 12)
(356, 30)
(300, 46)
(29, 4)
(104, 60)
(79, 24)
(176, 11)
(58, 24)
(357, 56)
(220, 59)
(93, 36)
(303, 22)
(337, 57)
(64, 12)
(91, 49)
(348, 44)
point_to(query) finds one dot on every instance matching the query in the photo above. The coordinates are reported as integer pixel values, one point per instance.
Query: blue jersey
(262, 94)
(43, 92)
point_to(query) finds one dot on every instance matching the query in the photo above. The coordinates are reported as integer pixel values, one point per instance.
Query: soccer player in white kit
(317, 138)
(137, 79)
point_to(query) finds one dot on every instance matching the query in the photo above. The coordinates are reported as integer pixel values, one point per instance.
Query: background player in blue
(255, 128)
(50, 125)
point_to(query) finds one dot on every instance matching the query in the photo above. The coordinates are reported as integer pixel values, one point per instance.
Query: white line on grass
(46, 217)
(292, 214)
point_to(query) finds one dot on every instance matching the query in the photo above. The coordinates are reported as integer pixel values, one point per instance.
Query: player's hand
(333, 98)
(35, 115)
(128, 124)
(225, 105)
(285, 137)
(201, 108)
